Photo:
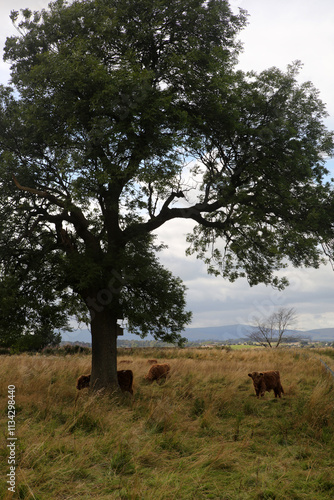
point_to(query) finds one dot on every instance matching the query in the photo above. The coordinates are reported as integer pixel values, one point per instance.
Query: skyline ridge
(222, 333)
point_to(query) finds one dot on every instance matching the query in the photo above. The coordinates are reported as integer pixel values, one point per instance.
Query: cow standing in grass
(125, 381)
(158, 372)
(267, 381)
(83, 382)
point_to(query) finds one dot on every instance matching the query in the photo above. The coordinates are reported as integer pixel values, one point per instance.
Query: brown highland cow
(158, 372)
(267, 381)
(83, 382)
(125, 381)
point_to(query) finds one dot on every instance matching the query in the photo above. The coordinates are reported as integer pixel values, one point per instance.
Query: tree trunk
(104, 350)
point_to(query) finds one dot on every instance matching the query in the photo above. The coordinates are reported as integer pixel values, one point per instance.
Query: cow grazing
(125, 381)
(158, 372)
(83, 382)
(267, 381)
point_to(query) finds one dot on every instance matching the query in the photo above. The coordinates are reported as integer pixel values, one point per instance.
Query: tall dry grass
(202, 434)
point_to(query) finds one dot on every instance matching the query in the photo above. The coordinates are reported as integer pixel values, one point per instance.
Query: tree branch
(75, 216)
(171, 197)
(41, 194)
(166, 213)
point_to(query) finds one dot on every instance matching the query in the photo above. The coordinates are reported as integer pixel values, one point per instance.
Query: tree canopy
(123, 116)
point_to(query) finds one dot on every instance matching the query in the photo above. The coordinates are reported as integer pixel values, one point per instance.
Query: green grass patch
(236, 347)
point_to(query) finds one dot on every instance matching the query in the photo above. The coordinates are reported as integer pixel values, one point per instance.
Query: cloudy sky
(277, 34)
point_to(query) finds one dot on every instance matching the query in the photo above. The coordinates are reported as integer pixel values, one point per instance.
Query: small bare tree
(271, 331)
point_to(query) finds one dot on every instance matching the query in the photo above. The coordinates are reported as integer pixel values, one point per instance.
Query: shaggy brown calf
(125, 381)
(158, 372)
(267, 381)
(83, 382)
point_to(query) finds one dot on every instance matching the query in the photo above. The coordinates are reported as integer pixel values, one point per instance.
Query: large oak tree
(122, 116)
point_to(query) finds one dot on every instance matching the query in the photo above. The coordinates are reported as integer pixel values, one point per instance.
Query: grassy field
(202, 434)
(244, 346)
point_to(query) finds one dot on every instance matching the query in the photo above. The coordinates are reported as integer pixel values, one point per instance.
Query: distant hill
(326, 334)
(82, 335)
(221, 333)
